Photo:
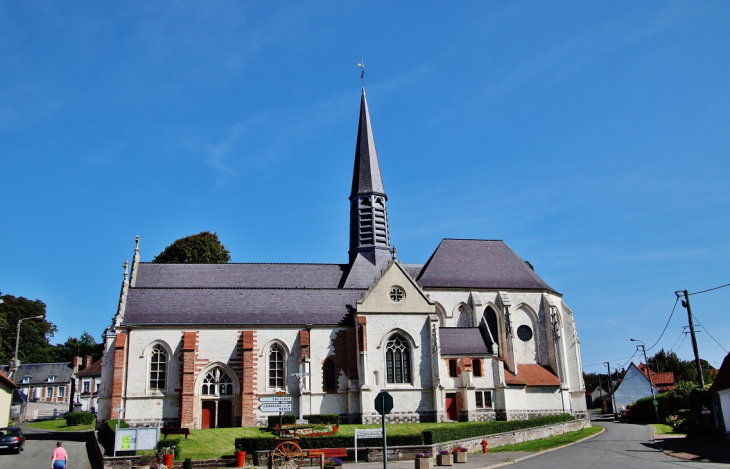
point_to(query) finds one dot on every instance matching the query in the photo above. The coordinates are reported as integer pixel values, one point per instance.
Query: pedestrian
(59, 460)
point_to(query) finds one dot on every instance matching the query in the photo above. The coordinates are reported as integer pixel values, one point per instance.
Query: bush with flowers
(460, 449)
(423, 455)
(333, 462)
(444, 452)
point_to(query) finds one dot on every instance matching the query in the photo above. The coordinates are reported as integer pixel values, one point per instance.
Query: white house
(471, 334)
(720, 393)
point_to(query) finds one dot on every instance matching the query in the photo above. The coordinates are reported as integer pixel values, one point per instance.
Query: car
(626, 415)
(12, 438)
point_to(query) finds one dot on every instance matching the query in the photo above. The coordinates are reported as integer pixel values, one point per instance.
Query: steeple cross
(393, 252)
(362, 66)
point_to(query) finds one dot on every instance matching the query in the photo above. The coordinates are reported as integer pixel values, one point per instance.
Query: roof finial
(126, 270)
(393, 252)
(362, 66)
(136, 244)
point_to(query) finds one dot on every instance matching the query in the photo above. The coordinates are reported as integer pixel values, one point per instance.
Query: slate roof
(92, 370)
(366, 178)
(239, 275)
(461, 341)
(239, 306)
(483, 264)
(722, 380)
(531, 375)
(39, 373)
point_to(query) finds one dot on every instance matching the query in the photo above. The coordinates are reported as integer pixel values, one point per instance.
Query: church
(472, 334)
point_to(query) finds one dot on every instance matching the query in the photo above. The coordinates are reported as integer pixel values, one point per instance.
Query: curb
(540, 453)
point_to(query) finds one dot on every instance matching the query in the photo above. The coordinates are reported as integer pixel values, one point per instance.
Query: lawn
(664, 429)
(214, 443)
(549, 443)
(59, 425)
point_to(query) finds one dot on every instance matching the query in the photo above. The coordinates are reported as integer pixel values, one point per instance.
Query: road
(622, 445)
(39, 446)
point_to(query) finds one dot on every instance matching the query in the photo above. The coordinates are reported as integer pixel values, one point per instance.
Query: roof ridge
(245, 263)
(244, 288)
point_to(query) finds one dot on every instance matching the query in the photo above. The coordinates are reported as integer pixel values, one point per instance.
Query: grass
(59, 425)
(664, 429)
(549, 443)
(214, 443)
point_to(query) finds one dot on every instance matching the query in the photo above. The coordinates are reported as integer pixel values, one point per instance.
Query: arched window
(330, 383)
(398, 359)
(465, 317)
(158, 368)
(276, 366)
(217, 383)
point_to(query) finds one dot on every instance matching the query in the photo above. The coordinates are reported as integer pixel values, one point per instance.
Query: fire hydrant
(484, 446)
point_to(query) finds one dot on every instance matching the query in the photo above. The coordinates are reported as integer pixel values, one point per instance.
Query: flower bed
(324, 429)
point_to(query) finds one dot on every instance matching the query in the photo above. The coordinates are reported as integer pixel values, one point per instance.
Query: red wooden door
(224, 414)
(450, 405)
(208, 417)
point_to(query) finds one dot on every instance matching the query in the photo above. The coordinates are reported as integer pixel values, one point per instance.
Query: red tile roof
(531, 375)
(92, 370)
(662, 381)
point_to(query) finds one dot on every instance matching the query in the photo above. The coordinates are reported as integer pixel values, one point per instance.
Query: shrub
(170, 446)
(79, 418)
(188, 463)
(106, 434)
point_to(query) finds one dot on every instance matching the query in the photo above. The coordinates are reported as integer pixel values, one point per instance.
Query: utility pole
(685, 303)
(610, 389)
(648, 374)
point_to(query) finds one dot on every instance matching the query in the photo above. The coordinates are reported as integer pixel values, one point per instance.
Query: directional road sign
(275, 399)
(275, 407)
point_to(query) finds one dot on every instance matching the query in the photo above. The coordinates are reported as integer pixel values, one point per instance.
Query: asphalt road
(622, 445)
(39, 446)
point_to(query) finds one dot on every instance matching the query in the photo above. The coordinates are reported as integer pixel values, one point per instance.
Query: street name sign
(368, 433)
(275, 407)
(275, 399)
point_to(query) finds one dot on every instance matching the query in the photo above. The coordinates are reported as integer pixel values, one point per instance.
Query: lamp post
(14, 364)
(648, 374)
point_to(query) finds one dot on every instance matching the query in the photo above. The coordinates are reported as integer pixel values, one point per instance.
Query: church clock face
(397, 294)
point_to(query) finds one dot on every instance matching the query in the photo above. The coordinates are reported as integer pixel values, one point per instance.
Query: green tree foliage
(81, 347)
(202, 248)
(684, 370)
(34, 333)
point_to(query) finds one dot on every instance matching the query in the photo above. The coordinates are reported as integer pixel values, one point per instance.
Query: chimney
(87, 361)
(76, 363)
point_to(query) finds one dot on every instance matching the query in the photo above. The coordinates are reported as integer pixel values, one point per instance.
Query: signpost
(384, 404)
(275, 407)
(279, 403)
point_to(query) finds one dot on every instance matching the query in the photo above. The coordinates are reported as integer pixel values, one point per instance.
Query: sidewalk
(695, 449)
(474, 461)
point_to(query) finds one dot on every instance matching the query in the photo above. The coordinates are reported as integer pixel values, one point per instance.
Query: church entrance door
(224, 414)
(208, 417)
(450, 405)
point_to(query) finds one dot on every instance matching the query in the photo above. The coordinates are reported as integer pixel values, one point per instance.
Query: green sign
(656, 403)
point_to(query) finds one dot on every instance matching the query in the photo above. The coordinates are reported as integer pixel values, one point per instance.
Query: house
(634, 386)
(663, 381)
(7, 388)
(720, 394)
(596, 396)
(47, 386)
(471, 334)
(87, 385)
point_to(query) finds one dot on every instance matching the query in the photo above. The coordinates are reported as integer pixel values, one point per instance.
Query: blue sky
(591, 136)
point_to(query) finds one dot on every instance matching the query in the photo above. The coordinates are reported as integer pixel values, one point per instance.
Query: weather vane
(362, 66)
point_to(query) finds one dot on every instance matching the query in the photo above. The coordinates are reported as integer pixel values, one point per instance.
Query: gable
(378, 298)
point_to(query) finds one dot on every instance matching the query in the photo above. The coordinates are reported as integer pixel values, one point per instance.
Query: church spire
(369, 234)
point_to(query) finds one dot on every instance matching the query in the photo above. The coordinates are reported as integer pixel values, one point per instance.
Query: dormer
(51, 379)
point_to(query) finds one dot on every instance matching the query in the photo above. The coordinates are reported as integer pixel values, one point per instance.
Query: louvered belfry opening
(372, 222)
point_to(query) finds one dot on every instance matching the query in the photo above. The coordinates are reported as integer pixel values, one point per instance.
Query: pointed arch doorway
(216, 399)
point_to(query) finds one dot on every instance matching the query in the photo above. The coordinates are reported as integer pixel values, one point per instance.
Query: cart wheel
(287, 455)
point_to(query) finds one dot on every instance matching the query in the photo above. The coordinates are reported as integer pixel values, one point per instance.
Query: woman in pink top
(59, 458)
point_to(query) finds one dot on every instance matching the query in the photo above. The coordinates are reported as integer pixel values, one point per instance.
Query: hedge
(79, 418)
(107, 431)
(477, 429)
(251, 445)
(273, 420)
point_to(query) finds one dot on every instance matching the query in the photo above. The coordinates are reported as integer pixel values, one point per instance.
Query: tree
(202, 248)
(684, 370)
(81, 347)
(34, 334)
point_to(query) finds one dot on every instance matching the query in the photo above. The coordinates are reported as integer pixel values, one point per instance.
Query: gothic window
(465, 319)
(158, 368)
(398, 360)
(217, 383)
(397, 294)
(330, 383)
(276, 366)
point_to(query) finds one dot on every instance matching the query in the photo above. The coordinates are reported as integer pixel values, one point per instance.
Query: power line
(708, 332)
(681, 334)
(710, 289)
(680, 344)
(666, 325)
(603, 363)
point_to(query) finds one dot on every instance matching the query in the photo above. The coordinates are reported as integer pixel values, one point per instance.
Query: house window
(453, 371)
(98, 385)
(51, 379)
(276, 366)
(484, 399)
(36, 393)
(61, 391)
(87, 385)
(158, 368)
(26, 380)
(398, 360)
(49, 392)
(217, 383)
(330, 382)
(477, 367)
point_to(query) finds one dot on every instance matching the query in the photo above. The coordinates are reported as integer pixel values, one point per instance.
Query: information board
(133, 439)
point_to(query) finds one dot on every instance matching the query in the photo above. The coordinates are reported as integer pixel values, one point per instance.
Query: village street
(39, 446)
